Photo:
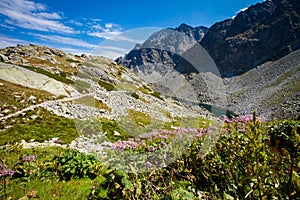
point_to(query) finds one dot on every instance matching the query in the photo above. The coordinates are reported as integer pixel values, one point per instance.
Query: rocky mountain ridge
(230, 52)
(164, 47)
(265, 31)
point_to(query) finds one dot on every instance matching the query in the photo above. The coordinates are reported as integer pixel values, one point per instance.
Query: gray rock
(3, 58)
(32, 99)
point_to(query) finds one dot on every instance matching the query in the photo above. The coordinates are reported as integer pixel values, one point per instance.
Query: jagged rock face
(264, 32)
(164, 47)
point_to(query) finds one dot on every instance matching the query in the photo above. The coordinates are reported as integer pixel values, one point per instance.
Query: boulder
(3, 58)
(32, 99)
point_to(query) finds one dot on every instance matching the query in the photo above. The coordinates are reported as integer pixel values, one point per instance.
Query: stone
(3, 58)
(32, 99)
(73, 65)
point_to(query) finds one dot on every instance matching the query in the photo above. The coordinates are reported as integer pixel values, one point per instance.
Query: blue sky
(109, 28)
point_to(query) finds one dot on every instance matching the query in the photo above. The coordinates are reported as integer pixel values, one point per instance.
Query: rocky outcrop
(28, 78)
(164, 47)
(264, 32)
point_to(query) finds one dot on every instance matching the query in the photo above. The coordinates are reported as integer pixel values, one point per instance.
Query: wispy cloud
(8, 41)
(75, 51)
(114, 34)
(30, 15)
(74, 22)
(65, 40)
(109, 51)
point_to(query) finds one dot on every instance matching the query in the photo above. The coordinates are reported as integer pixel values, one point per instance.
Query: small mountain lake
(217, 111)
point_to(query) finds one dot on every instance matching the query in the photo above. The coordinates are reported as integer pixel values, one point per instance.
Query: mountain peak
(183, 27)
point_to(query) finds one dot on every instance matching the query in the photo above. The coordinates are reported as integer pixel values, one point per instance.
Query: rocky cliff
(264, 32)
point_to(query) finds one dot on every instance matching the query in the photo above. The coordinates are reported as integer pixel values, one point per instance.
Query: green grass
(81, 86)
(44, 127)
(50, 75)
(126, 85)
(9, 90)
(74, 61)
(146, 90)
(43, 182)
(139, 118)
(52, 189)
(92, 102)
(106, 85)
(188, 122)
(135, 95)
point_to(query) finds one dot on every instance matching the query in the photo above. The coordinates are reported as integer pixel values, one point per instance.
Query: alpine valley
(191, 113)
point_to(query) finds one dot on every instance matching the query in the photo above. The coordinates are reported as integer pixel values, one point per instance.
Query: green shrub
(157, 95)
(75, 165)
(106, 85)
(135, 95)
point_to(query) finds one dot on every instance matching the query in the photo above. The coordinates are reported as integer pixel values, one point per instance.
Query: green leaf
(128, 185)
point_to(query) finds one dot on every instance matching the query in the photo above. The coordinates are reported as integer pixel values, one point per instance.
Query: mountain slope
(273, 89)
(264, 32)
(105, 100)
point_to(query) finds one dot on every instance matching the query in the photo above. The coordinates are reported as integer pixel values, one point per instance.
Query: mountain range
(259, 37)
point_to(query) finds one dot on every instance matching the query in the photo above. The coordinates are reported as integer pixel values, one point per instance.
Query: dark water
(217, 111)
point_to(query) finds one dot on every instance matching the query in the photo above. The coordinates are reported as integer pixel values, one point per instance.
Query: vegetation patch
(112, 129)
(146, 90)
(92, 102)
(135, 95)
(82, 86)
(15, 97)
(50, 75)
(157, 95)
(39, 125)
(139, 118)
(250, 160)
(191, 122)
(106, 85)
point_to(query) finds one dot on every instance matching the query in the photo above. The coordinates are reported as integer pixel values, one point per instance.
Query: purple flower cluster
(29, 158)
(4, 171)
(57, 141)
(241, 119)
(238, 123)
(123, 145)
(161, 138)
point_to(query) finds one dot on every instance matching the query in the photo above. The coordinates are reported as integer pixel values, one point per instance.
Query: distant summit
(164, 46)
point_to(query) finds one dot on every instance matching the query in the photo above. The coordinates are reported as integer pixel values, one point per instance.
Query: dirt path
(44, 104)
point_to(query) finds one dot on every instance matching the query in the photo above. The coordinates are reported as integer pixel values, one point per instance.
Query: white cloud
(109, 51)
(74, 51)
(8, 41)
(65, 40)
(75, 23)
(97, 27)
(30, 15)
(109, 25)
(115, 35)
(96, 20)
